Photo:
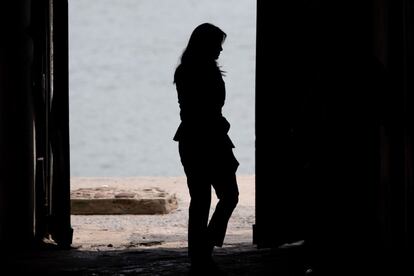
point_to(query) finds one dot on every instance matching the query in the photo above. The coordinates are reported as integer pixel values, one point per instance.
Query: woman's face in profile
(217, 51)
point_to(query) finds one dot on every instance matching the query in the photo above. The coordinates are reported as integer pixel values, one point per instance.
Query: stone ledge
(107, 200)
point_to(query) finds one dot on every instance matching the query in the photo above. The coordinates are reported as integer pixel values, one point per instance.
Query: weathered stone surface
(107, 200)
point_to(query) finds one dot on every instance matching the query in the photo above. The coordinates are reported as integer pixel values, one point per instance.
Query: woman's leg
(228, 194)
(200, 193)
(199, 188)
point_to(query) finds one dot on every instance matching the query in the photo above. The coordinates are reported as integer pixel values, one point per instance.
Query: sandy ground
(99, 232)
(151, 245)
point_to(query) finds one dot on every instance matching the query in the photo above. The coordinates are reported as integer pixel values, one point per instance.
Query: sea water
(123, 104)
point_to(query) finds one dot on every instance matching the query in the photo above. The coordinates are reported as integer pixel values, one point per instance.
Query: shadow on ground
(240, 259)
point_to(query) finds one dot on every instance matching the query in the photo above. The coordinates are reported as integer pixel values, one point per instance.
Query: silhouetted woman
(205, 148)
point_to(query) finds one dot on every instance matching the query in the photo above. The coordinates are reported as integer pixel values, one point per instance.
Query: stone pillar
(16, 125)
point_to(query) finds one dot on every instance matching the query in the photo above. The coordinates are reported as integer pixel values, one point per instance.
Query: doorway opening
(124, 111)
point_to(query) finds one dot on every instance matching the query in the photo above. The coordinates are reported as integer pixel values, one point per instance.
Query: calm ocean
(123, 104)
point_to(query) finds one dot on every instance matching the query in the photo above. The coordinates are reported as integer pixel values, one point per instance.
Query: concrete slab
(107, 200)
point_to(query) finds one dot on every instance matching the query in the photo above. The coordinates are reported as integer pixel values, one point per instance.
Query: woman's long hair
(203, 41)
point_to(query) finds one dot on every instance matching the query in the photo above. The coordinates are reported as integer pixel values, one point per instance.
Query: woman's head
(204, 44)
